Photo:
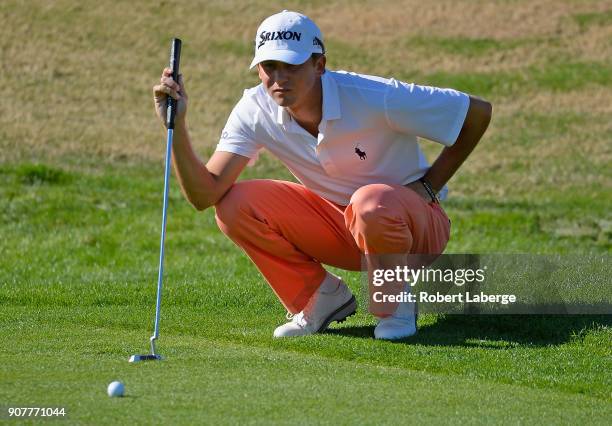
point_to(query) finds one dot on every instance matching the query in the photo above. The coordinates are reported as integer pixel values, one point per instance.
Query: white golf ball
(115, 389)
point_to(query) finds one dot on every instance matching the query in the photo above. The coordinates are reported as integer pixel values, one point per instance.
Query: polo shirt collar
(331, 102)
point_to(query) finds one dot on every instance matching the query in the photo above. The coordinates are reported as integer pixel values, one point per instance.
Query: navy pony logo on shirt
(362, 155)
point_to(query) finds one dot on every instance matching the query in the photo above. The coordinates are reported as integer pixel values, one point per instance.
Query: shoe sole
(340, 314)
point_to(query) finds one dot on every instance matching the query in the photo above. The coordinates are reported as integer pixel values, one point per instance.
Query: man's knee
(376, 219)
(370, 204)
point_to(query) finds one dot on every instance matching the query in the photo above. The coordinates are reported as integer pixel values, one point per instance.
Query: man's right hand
(203, 185)
(168, 87)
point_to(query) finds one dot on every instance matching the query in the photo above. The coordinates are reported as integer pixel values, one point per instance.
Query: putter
(175, 54)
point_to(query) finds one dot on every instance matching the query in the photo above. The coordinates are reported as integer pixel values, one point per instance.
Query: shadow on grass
(495, 331)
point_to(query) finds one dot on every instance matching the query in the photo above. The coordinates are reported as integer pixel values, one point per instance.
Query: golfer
(366, 190)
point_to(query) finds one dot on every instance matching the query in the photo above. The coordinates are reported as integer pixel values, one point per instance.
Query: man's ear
(259, 71)
(320, 65)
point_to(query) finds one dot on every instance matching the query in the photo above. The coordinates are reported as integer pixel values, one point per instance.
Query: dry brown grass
(549, 24)
(473, 19)
(594, 100)
(80, 75)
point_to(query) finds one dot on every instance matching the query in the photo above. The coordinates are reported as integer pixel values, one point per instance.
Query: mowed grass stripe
(565, 354)
(554, 77)
(204, 380)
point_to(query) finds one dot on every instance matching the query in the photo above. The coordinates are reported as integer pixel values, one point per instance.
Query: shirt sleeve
(239, 135)
(429, 112)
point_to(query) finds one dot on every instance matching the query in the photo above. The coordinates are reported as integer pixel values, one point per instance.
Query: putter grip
(175, 56)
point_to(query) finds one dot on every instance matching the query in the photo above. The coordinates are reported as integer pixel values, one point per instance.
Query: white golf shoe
(402, 324)
(321, 310)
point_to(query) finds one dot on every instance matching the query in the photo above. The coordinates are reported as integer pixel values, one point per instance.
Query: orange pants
(289, 231)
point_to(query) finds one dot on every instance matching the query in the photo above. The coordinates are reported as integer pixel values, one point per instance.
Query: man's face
(290, 84)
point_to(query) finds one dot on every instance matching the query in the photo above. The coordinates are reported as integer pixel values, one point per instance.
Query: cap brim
(287, 56)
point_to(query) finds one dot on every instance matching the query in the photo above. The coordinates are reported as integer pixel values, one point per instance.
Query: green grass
(227, 383)
(81, 176)
(82, 302)
(586, 20)
(464, 46)
(556, 76)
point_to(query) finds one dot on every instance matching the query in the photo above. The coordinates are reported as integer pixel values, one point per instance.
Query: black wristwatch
(430, 191)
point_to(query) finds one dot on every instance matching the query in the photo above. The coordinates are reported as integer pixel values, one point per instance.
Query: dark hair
(315, 56)
(317, 42)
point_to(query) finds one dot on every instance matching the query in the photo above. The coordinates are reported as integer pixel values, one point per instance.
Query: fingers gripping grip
(175, 56)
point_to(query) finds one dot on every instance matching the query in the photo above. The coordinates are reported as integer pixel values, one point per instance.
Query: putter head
(138, 358)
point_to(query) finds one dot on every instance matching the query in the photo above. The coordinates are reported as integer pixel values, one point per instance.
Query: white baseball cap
(288, 37)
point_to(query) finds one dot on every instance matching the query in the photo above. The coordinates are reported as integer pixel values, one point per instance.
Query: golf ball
(115, 389)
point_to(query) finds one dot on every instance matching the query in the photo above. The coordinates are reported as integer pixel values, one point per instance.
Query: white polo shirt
(368, 132)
